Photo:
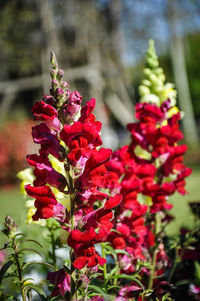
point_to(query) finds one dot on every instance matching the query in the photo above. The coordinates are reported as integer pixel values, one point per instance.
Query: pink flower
(61, 280)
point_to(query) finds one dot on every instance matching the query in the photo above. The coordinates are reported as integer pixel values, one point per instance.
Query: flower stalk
(155, 251)
(104, 266)
(19, 271)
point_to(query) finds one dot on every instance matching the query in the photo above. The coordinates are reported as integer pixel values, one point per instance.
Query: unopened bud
(53, 73)
(152, 63)
(49, 99)
(10, 226)
(83, 282)
(147, 71)
(53, 60)
(59, 91)
(64, 85)
(143, 90)
(60, 74)
(55, 84)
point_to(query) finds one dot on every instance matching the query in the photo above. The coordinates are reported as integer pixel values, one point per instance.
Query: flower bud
(60, 74)
(64, 84)
(55, 84)
(53, 60)
(53, 73)
(49, 99)
(147, 72)
(146, 82)
(73, 106)
(83, 282)
(143, 90)
(10, 226)
(152, 62)
(59, 91)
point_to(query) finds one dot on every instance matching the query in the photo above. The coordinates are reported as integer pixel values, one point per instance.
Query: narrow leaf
(118, 251)
(4, 269)
(36, 288)
(31, 240)
(124, 276)
(112, 251)
(96, 289)
(42, 263)
(19, 234)
(31, 250)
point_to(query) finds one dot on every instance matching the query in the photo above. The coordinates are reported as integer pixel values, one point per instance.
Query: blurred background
(101, 46)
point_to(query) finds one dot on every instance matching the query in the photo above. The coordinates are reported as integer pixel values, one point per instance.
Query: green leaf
(95, 275)
(41, 263)
(118, 251)
(112, 272)
(31, 240)
(124, 276)
(197, 271)
(67, 269)
(112, 251)
(19, 234)
(36, 288)
(97, 289)
(4, 269)
(113, 286)
(31, 250)
(27, 279)
(183, 282)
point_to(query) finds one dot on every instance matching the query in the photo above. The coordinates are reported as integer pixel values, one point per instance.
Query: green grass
(12, 203)
(181, 210)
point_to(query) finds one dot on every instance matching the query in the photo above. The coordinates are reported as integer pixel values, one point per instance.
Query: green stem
(177, 260)
(73, 289)
(85, 297)
(53, 246)
(19, 271)
(104, 256)
(153, 267)
(153, 264)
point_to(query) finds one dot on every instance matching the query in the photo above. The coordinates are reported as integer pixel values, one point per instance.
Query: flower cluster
(70, 169)
(117, 199)
(146, 172)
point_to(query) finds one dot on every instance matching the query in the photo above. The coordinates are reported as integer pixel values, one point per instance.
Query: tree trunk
(181, 79)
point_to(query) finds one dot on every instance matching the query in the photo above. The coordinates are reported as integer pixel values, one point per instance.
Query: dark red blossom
(43, 111)
(95, 173)
(45, 203)
(80, 129)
